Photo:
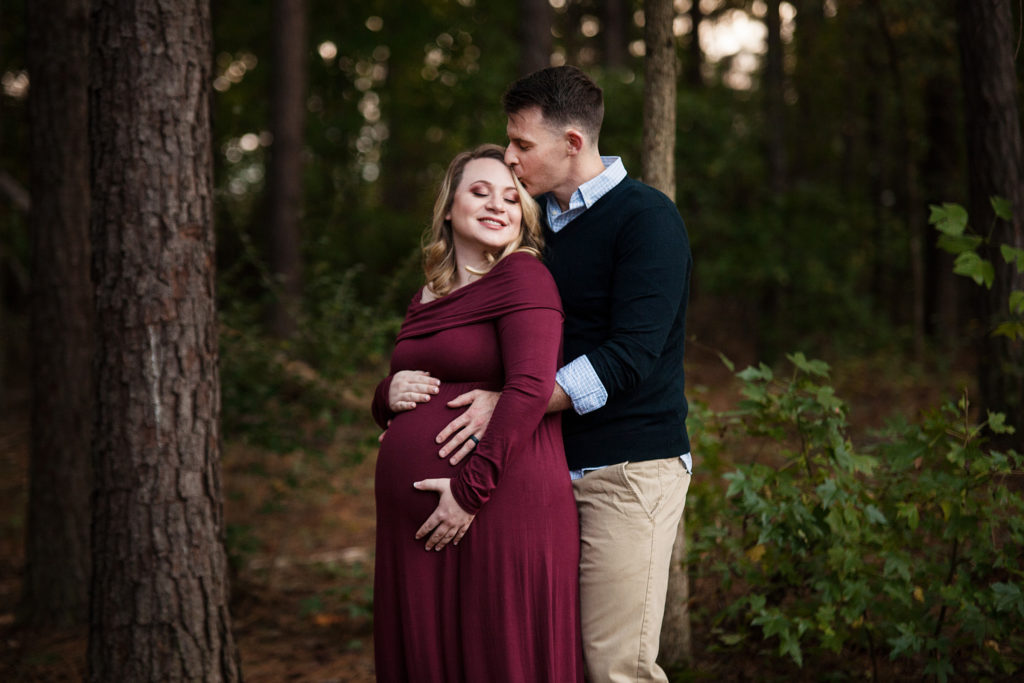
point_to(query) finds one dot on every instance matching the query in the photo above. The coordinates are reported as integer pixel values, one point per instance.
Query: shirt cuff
(580, 381)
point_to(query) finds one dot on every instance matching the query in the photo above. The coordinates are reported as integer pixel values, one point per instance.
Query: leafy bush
(908, 549)
(289, 394)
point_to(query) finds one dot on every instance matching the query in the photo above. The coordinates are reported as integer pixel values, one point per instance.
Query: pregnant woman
(477, 564)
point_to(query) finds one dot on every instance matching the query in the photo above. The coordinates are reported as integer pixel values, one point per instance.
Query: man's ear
(574, 141)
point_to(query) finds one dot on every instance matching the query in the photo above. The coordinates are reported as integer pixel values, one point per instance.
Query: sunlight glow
(328, 51)
(15, 84)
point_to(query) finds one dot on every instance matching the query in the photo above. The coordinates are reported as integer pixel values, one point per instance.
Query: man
(620, 256)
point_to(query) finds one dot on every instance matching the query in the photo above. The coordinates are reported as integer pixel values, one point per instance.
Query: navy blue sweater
(623, 271)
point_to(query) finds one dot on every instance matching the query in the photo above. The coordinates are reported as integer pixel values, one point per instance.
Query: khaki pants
(629, 514)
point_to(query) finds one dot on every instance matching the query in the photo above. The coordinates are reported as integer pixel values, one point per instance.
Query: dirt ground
(300, 535)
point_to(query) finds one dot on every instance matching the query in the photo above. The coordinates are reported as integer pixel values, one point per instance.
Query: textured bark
(159, 599)
(659, 139)
(56, 584)
(534, 35)
(659, 144)
(774, 101)
(284, 176)
(987, 36)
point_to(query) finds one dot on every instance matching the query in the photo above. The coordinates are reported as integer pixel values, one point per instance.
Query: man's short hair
(566, 97)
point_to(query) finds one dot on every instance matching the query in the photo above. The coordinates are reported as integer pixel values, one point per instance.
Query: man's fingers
(463, 399)
(466, 449)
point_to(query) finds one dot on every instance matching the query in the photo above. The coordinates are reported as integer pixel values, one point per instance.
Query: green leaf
(811, 367)
(957, 244)
(751, 373)
(875, 515)
(731, 639)
(974, 267)
(950, 219)
(997, 423)
(1008, 597)
(726, 362)
(1013, 329)
(1002, 207)
(1017, 302)
(1013, 256)
(909, 512)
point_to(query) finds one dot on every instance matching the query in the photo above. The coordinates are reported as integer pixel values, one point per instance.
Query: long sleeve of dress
(380, 408)
(530, 344)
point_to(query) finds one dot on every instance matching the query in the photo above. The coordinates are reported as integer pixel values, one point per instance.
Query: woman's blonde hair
(439, 246)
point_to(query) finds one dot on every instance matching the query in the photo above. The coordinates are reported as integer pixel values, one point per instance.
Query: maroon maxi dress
(502, 605)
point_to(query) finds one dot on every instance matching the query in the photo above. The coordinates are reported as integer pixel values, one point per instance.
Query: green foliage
(288, 394)
(966, 244)
(908, 548)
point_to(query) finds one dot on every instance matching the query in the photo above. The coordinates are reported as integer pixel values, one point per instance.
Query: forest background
(856, 512)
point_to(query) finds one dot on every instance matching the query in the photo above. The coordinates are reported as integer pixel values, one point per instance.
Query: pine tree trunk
(987, 39)
(284, 174)
(534, 35)
(159, 599)
(56, 584)
(659, 144)
(659, 139)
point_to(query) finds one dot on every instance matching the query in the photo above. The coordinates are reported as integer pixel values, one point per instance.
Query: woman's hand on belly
(449, 522)
(409, 387)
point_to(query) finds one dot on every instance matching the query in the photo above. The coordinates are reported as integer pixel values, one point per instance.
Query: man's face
(536, 152)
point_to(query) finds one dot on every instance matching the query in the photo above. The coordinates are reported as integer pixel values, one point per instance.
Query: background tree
(659, 140)
(56, 584)
(159, 589)
(284, 173)
(987, 39)
(534, 35)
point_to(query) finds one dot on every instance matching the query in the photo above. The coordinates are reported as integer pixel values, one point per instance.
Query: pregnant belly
(408, 454)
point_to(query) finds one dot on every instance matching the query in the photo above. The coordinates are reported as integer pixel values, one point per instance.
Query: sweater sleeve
(530, 344)
(649, 284)
(380, 408)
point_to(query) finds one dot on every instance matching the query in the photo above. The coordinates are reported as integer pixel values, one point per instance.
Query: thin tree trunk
(159, 599)
(774, 101)
(534, 35)
(694, 73)
(616, 33)
(284, 175)
(659, 138)
(659, 143)
(911, 194)
(57, 560)
(940, 179)
(987, 37)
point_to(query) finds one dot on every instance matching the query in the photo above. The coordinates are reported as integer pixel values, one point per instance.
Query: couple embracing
(545, 355)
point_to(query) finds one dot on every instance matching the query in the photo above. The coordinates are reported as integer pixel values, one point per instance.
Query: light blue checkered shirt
(578, 378)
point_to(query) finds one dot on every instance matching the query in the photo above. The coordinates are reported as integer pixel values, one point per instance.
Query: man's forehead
(528, 124)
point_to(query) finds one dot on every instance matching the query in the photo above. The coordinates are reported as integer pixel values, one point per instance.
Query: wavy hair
(439, 264)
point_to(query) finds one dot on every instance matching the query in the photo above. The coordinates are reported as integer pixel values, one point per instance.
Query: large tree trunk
(284, 175)
(534, 35)
(56, 584)
(987, 41)
(159, 600)
(659, 144)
